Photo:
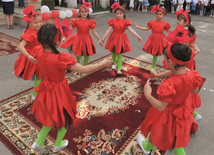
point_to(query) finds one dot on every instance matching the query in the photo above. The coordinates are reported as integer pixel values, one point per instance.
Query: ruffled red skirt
(119, 41)
(155, 44)
(81, 43)
(170, 128)
(51, 103)
(24, 67)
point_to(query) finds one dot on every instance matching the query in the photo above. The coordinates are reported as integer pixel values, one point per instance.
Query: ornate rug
(110, 111)
(8, 44)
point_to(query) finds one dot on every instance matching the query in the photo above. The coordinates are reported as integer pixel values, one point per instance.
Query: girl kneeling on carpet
(55, 103)
(170, 121)
(118, 41)
(25, 66)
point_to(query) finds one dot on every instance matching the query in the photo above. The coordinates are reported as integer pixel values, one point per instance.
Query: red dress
(54, 97)
(118, 38)
(173, 126)
(81, 42)
(156, 41)
(23, 66)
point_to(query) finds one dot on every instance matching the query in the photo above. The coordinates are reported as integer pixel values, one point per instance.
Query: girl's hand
(136, 25)
(101, 42)
(147, 88)
(107, 62)
(153, 73)
(140, 40)
(32, 59)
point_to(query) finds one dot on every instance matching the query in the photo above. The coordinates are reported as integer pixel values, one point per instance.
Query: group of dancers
(171, 119)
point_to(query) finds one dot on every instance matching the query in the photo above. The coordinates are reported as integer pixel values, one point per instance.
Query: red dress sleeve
(149, 24)
(198, 79)
(128, 23)
(65, 60)
(93, 24)
(193, 38)
(167, 26)
(110, 22)
(166, 91)
(27, 36)
(74, 23)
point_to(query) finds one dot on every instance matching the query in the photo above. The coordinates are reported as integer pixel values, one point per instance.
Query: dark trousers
(56, 2)
(21, 3)
(167, 5)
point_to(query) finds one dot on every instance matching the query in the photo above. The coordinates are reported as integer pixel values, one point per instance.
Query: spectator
(124, 2)
(212, 8)
(180, 5)
(21, 4)
(56, 3)
(140, 4)
(188, 2)
(8, 9)
(131, 5)
(202, 2)
(145, 5)
(167, 5)
(173, 4)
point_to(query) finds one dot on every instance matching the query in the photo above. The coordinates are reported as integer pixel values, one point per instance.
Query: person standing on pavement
(8, 9)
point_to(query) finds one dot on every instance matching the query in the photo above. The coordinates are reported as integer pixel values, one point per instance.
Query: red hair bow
(115, 6)
(87, 5)
(64, 28)
(181, 11)
(28, 12)
(155, 8)
(180, 35)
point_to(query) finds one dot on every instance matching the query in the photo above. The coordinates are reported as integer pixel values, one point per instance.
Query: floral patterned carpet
(8, 44)
(110, 111)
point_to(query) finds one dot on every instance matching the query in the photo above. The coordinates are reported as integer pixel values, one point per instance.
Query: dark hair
(161, 11)
(180, 52)
(88, 17)
(120, 9)
(46, 36)
(35, 15)
(191, 28)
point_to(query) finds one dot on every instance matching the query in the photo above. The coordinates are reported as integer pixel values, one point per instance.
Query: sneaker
(140, 139)
(59, 148)
(37, 148)
(146, 10)
(198, 118)
(33, 97)
(114, 66)
(211, 15)
(119, 73)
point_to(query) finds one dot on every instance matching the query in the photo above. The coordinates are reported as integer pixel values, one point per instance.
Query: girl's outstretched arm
(159, 105)
(170, 30)
(97, 36)
(164, 74)
(92, 67)
(107, 33)
(141, 28)
(132, 31)
(22, 49)
(195, 47)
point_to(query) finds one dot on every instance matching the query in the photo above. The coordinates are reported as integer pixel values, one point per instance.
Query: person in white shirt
(180, 5)
(8, 9)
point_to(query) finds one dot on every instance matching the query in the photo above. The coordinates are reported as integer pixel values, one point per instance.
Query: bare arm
(164, 74)
(159, 105)
(195, 91)
(97, 36)
(132, 31)
(170, 30)
(22, 49)
(195, 47)
(92, 67)
(107, 33)
(141, 28)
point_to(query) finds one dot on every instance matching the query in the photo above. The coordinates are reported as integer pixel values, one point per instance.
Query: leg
(78, 59)
(155, 60)
(11, 21)
(61, 133)
(36, 83)
(86, 59)
(114, 58)
(7, 18)
(148, 145)
(145, 146)
(43, 133)
(119, 62)
(197, 116)
(179, 151)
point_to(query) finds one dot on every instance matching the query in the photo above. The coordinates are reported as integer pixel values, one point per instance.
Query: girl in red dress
(156, 42)
(118, 41)
(55, 104)
(81, 43)
(170, 121)
(25, 65)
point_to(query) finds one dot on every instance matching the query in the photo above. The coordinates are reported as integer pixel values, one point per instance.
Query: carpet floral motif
(109, 96)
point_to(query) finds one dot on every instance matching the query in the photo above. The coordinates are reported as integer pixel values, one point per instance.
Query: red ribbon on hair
(157, 8)
(115, 6)
(172, 58)
(28, 12)
(85, 5)
(185, 13)
(63, 29)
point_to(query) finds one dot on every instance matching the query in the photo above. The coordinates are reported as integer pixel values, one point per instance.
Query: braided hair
(46, 36)
(191, 28)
